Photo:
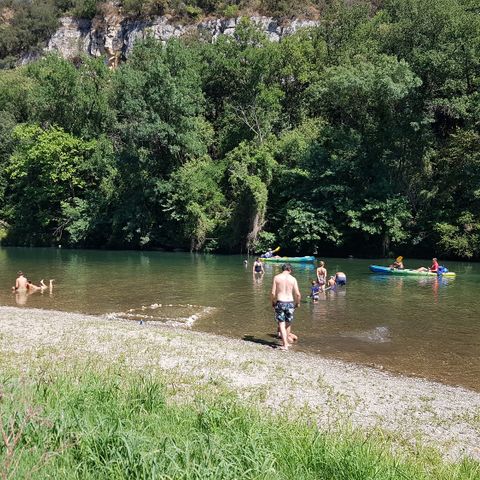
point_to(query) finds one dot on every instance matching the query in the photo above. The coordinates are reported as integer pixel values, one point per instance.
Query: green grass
(86, 421)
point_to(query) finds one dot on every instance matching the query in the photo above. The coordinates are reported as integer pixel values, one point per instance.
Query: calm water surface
(418, 326)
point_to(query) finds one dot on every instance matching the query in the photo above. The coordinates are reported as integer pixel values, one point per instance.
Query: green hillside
(359, 136)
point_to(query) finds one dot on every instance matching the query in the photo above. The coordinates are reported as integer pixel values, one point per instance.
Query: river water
(416, 326)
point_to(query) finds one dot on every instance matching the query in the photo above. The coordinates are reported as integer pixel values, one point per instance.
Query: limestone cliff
(112, 35)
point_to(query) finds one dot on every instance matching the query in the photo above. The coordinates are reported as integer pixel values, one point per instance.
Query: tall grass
(111, 423)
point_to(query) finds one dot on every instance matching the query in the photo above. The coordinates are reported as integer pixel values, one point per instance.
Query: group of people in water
(324, 283)
(23, 284)
(24, 287)
(321, 284)
(286, 296)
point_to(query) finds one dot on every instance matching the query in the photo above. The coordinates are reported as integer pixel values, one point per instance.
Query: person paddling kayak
(270, 253)
(398, 264)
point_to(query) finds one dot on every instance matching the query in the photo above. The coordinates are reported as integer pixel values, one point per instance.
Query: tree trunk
(385, 244)
(256, 226)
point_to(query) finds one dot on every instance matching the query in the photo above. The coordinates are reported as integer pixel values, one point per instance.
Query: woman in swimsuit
(258, 266)
(322, 276)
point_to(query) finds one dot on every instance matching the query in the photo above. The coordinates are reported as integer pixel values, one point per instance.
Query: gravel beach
(413, 411)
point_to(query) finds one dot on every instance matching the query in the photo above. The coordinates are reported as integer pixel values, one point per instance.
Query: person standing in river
(322, 276)
(21, 282)
(258, 266)
(285, 298)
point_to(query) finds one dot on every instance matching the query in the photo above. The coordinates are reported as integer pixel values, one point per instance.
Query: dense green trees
(23, 26)
(60, 184)
(359, 136)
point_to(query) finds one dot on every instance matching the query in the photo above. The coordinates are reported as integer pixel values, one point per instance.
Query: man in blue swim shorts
(340, 278)
(285, 298)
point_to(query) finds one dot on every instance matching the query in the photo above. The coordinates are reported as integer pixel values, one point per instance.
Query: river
(425, 327)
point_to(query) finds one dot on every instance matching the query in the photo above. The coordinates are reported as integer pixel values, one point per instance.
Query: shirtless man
(285, 298)
(322, 276)
(21, 283)
(340, 279)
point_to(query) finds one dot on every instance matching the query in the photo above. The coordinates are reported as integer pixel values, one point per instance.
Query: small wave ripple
(175, 315)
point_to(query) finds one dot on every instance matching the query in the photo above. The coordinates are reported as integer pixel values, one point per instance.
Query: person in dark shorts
(340, 278)
(285, 297)
(284, 311)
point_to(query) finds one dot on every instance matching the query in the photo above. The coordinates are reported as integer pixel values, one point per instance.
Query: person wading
(21, 283)
(285, 298)
(322, 276)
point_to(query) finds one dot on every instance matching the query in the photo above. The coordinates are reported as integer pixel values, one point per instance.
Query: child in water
(332, 283)
(314, 290)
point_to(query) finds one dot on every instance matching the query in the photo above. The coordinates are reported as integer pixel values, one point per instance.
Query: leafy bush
(264, 242)
(230, 11)
(192, 11)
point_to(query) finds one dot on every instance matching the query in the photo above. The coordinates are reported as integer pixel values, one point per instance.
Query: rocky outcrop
(113, 36)
(73, 36)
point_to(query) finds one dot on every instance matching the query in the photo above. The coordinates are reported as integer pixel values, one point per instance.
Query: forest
(360, 136)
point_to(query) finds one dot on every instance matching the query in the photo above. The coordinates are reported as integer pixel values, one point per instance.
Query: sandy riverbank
(410, 409)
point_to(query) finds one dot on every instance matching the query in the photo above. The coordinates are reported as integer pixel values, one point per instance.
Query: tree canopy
(361, 136)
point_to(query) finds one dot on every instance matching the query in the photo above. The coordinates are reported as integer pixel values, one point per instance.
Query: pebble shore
(413, 411)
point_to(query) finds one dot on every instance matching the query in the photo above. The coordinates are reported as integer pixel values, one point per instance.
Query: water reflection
(22, 296)
(398, 283)
(258, 278)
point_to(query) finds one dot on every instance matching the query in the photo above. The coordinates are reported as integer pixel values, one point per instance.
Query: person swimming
(32, 287)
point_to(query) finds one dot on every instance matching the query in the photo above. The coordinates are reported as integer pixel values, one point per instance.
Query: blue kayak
(308, 259)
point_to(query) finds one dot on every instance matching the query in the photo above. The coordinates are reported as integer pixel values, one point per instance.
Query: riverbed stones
(412, 410)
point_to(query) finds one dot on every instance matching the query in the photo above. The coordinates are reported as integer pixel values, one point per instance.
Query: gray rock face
(71, 38)
(113, 36)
